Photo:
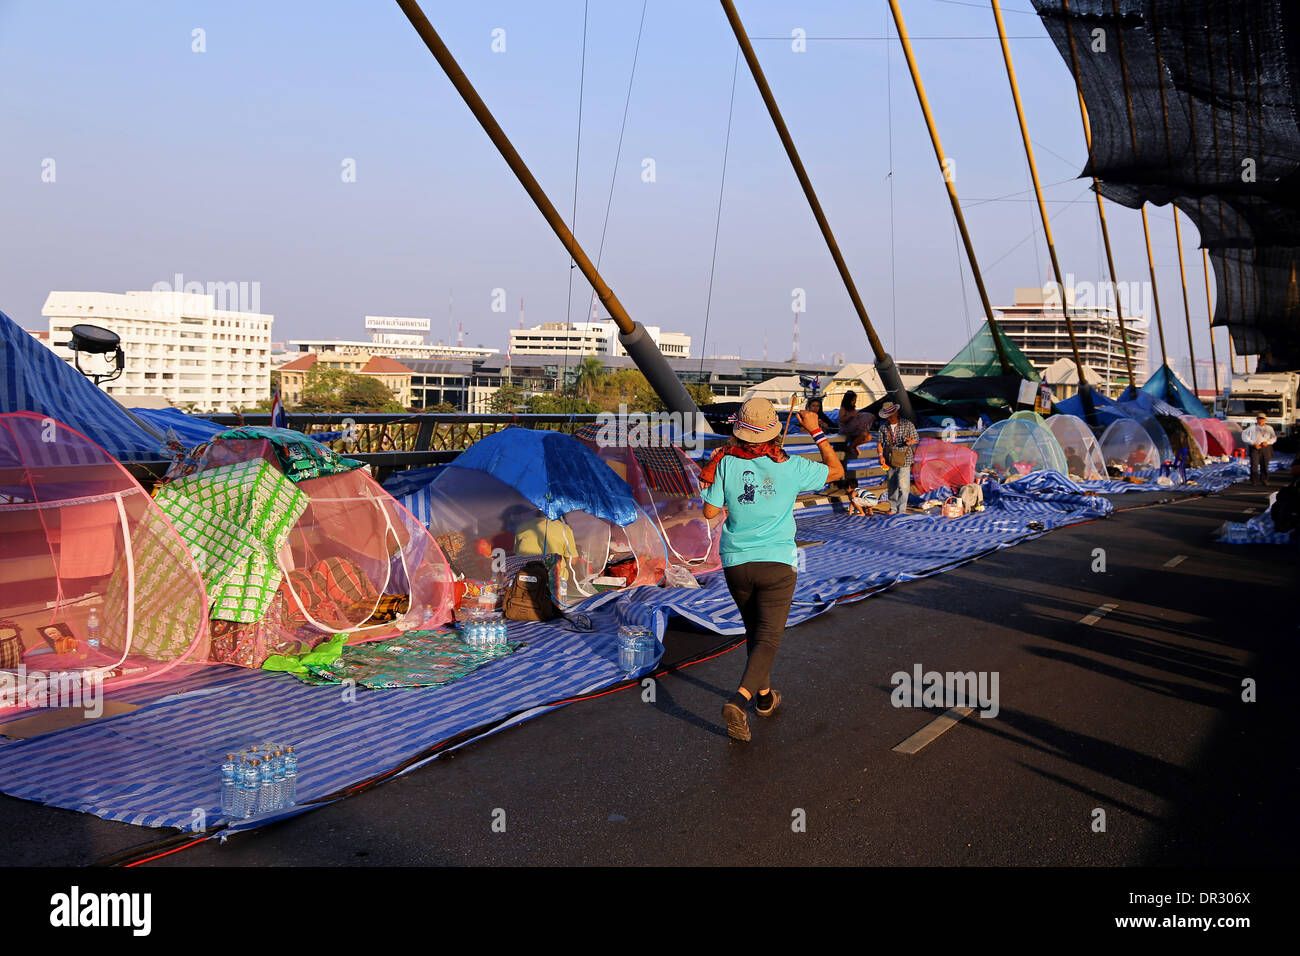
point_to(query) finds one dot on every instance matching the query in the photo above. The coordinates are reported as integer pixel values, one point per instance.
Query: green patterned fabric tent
(235, 519)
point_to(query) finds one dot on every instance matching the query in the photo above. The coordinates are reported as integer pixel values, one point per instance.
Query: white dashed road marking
(933, 729)
(1097, 615)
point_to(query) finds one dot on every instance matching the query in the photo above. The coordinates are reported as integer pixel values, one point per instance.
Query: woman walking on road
(758, 482)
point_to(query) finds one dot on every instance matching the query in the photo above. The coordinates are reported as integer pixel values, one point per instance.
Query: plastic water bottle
(229, 785)
(266, 788)
(92, 628)
(277, 790)
(251, 773)
(501, 634)
(290, 777)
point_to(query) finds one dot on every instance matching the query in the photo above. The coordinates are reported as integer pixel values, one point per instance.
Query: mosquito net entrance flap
(940, 464)
(83, 548)
(1017, 447)
(1083, 459)
(520, 495)
(1128, 450)
(289, 563)
(665, 483)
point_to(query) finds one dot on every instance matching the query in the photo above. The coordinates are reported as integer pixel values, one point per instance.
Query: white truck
(1276, 394)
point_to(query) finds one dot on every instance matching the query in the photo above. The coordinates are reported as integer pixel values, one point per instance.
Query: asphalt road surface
(1135, 718)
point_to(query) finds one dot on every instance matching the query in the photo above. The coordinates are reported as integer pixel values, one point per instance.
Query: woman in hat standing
(757, 482)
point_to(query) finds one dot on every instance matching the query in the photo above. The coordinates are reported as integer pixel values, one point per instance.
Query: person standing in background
(1259, 438)
(896, 444)
(757, 481)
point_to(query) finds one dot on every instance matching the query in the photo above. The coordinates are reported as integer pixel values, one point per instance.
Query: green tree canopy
(336, 390)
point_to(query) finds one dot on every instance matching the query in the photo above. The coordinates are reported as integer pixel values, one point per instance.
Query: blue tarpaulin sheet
(155, 766)
(34, 379)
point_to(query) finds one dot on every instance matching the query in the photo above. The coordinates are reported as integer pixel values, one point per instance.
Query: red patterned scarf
(747, 450)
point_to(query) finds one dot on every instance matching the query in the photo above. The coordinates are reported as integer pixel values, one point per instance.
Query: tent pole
(1178, 233)
(884, 364)
(1085, 390)
(632, 334)
(1146, 227)
(1101, 208)
(1200, 209)
(1187, 311)
(1209, 311)
(1155, 291)
(949, 182)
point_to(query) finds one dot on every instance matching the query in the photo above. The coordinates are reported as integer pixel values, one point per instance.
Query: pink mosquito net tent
(79, 535)
(941, 464)
(1016, 447)
(1127, 449)
(665, 483)
(290, 563)
(1083, 459)
(1197, 427)
(1219, 440)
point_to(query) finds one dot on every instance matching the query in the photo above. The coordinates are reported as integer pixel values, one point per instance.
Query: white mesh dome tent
(1083, 459)
(1128, 449)
(1016, 447)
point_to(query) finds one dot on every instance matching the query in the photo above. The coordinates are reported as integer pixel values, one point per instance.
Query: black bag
(1286, 509)
(528, 598)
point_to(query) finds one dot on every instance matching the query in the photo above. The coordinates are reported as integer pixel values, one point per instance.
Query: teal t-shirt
(759, 497)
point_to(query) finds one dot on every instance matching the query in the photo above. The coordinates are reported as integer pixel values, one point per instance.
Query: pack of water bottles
(636, 647)
(483, 630)
(260, 778)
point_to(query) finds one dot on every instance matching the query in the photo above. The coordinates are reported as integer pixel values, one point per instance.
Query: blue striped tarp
(34, 379)
(158, 766)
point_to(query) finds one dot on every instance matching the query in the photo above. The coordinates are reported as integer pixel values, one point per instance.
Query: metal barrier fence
(390, 442)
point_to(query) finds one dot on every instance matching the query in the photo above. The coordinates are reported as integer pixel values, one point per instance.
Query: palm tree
(588, 377)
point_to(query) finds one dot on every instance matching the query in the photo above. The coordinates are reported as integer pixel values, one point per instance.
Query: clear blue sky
(225, 165)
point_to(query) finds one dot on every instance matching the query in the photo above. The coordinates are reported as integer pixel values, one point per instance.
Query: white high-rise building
(591, 338)
(1036, 324)
(177, 345)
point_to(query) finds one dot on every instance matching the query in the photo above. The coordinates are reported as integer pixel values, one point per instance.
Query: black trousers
(762, 591)
(1259, 460)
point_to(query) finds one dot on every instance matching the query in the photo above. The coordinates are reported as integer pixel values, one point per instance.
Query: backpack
(528, 598)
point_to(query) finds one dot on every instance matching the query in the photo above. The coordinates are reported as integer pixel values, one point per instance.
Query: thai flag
(278, 418)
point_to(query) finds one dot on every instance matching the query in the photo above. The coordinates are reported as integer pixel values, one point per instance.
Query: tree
(701, 393)
(507, 399)
(336, 390)
(560, 405)
(588, 378)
